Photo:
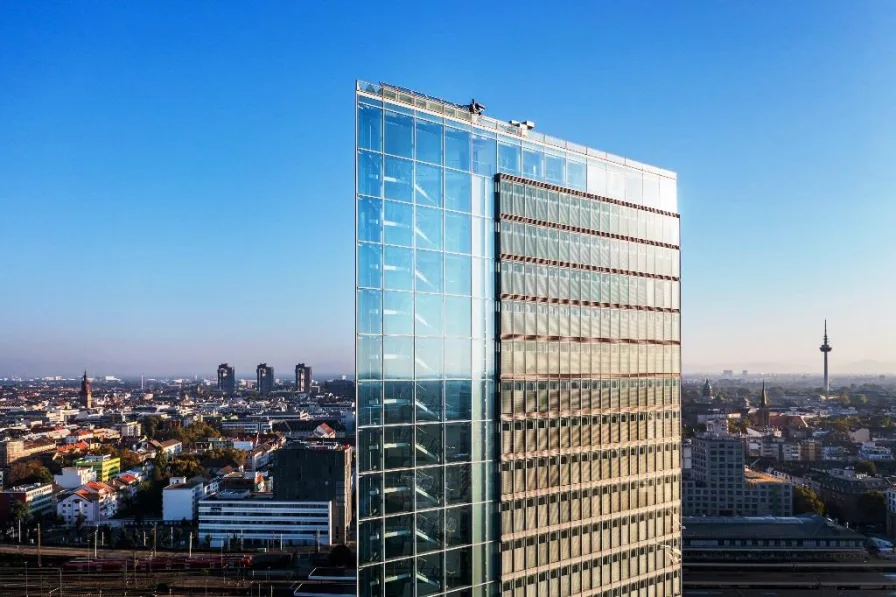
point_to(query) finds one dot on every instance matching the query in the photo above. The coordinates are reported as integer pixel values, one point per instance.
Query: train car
(94, 565)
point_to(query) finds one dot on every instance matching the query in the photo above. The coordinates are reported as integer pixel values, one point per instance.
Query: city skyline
(121, 168)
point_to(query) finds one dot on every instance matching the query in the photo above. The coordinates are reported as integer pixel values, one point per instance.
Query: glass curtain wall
(425, 352)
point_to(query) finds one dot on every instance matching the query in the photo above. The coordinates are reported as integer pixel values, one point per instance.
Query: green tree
(867, 467)
(28, 471)
(20, 511)
(806, 501)
(151, 426)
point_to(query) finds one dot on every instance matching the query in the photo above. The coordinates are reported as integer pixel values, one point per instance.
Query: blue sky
(176, 178)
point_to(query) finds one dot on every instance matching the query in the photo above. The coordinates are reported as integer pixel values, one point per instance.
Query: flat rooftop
(760, 477)
(764, 527)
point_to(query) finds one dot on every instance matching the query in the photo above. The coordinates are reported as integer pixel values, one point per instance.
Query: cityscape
(512, 365)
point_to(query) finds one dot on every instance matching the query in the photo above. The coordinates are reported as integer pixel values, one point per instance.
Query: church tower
(85, 394)
(763, 408)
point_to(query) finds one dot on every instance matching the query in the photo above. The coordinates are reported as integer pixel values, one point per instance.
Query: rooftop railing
(461, 112)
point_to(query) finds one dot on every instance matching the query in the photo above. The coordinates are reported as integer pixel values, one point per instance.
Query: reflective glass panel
(457, 149)
(399, 179)
(369, 357)
(398, 357)
(429, 401)
(428, 358)
(484, 156)
(457, 191)
(398, 313)
(399, 135)
(429, 185)
(370, 267)
(370, 128)
(397, 223)
(428, 315)
(458, 233)
(533, 164)
(370, 174)
(397, 268)
(458, 399)
(428, 228)
(508, 158)
(370, 219)
(370, 316)
(555, 169)
(429, 142)
(428, 271)
(458, 275)
(458, 316)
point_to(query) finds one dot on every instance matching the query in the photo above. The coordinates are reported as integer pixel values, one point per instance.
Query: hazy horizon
(173, 205)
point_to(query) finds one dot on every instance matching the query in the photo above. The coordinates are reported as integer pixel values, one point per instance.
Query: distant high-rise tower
(85, 395)
(825, 349)
(264, 378)
(226, 378)
(303, 378)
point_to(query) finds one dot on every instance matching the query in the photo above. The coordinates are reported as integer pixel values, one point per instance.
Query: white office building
(180, 499)
(74, 477)
(258, 521)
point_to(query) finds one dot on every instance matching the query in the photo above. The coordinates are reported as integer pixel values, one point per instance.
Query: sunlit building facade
(517, 359)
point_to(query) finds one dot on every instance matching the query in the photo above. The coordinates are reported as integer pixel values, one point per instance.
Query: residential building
(317, 472)
(226, 379)
(517, 316)
(871, 451)
(73, 477)
(169, 447)
(129, 429)
(264, 378)
(37, 496)
(768, 538)
(719, 483)
(258, 521)
(105, 465)
(891, 512)
(303, 378)
(92, 505)
(260, 457)
(180, 499)
(840, 491)
(13, 450)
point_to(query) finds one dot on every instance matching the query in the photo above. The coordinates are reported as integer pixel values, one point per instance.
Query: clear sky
(176, 177)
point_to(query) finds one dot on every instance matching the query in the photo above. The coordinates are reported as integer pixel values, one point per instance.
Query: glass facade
(517, 359)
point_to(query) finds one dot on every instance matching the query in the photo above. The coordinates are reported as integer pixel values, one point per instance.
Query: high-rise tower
(226, 378)
(517, 359)
(303, 378)
(264, 378)
(86, 394)
(825, 349)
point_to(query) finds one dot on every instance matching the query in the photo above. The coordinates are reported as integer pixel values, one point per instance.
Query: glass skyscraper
(517, 359)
